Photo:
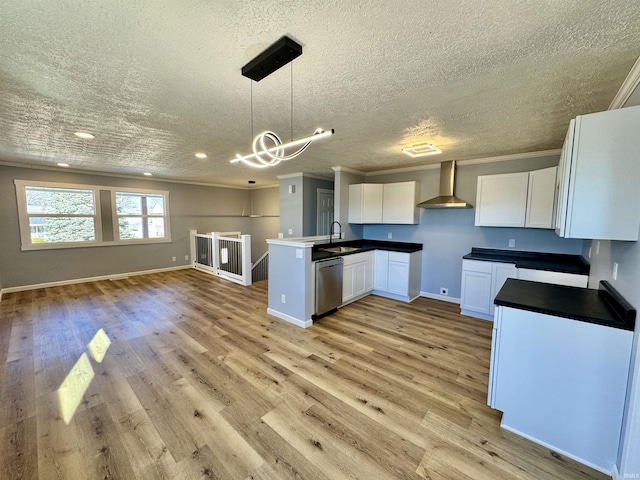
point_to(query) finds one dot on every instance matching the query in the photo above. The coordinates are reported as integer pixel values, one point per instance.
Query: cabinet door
(476, 292)
(399, 203)
(348, 291)
(499, 274)
(562, 181)
(365, 203)
(398, 282)
(381, 270)
(359, 274)
(603, 194)
(501, 200)
(368, 274)
(541, 198)
(372, 203)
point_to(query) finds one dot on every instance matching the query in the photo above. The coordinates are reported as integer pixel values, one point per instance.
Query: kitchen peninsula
(390, 269)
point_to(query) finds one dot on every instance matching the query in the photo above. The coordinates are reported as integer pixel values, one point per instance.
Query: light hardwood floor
(200, 382)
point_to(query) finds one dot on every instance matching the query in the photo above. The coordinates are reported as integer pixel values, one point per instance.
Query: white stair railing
(225, 254)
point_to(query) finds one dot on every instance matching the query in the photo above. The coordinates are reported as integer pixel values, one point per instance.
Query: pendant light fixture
(268, 149)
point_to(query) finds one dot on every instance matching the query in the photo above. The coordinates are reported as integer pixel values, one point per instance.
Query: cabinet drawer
(354, 258)
(476, 266)
(399, 257)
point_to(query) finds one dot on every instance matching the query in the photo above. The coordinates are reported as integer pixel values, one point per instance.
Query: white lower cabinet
(561, 383)
(558, 278)
(481, 282)
(357, 276)
(397, 274)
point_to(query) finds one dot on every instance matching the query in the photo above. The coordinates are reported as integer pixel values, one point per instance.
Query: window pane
(130, 227)
(129, 203)
(156, 227)
(59, 200)
(155, 205)
(61, 229)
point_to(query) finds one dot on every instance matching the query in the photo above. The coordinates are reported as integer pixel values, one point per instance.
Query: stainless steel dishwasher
(328, 286)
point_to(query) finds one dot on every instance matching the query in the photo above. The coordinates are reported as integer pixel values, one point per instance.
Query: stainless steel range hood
(446, 199)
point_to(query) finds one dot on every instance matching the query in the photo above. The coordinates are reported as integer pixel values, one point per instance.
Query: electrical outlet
(512, 242)
(283, 298)
(615, 271)
(444, 291)
(589, 252)
(299, 253)
(389, 235)
(280, 235)
(597, 247)
(186, 257)
(173, 259)
(290, 231)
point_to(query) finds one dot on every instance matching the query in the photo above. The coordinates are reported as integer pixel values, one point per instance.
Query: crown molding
(628, 86)
(471, 161)
(52, 168)
(302, 174)
(348, 170)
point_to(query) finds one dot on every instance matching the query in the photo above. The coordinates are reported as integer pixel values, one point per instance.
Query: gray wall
(447, 235)
(310, 188)
(202, 208)
(350, 231)
(291, 213)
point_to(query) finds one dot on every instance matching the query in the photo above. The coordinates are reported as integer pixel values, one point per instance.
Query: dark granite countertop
(603, 307)
(363, 246)
(555, 262)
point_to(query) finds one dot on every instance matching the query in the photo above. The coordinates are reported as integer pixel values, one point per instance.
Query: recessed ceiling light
(60, 164)
(84, 135)
(148, 174)
(201, 155)
(421, 150)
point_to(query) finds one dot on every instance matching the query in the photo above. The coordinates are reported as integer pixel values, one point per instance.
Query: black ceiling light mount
(275, 56)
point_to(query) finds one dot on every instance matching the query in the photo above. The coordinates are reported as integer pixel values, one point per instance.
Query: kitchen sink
(340, 249)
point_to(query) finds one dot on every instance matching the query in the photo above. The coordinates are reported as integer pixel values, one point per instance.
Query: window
(64, 215)
(140, 215)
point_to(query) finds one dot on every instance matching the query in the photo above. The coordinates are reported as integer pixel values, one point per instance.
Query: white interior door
(324, 211)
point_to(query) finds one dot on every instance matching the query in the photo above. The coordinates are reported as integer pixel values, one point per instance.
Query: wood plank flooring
(199, 382)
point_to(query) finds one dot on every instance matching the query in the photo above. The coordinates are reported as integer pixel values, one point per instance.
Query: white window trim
(23, 216)
(116, 227)
(25, 231)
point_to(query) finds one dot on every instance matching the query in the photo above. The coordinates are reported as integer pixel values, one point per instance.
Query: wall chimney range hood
(446, 199)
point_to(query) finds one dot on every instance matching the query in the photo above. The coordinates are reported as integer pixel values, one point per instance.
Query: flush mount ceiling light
(84, 135)
(268, 149)
(148, 174)
(60, 164)
(201, 155)
(421, 150)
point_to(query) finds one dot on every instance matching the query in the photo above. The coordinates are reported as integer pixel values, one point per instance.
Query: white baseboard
(115, 276)
(555, 449)
(444, 298)
(289, 318)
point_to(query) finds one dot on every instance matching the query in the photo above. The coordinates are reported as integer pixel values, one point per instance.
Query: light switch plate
(512, 242)
(614, 274)
(299, 253)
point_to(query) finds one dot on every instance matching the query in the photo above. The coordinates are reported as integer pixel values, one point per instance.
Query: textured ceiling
(158, 80)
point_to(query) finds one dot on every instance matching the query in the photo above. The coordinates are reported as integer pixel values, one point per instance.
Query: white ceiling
(158, 80)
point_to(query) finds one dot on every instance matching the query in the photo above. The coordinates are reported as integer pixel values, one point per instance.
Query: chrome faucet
(331, 230)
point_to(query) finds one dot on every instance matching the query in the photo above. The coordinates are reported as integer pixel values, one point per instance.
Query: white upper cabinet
(501, 200)
(399, 203)
(383, 203)
(524, 199)
(365, 203)
(541, 198)
(598, 196)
